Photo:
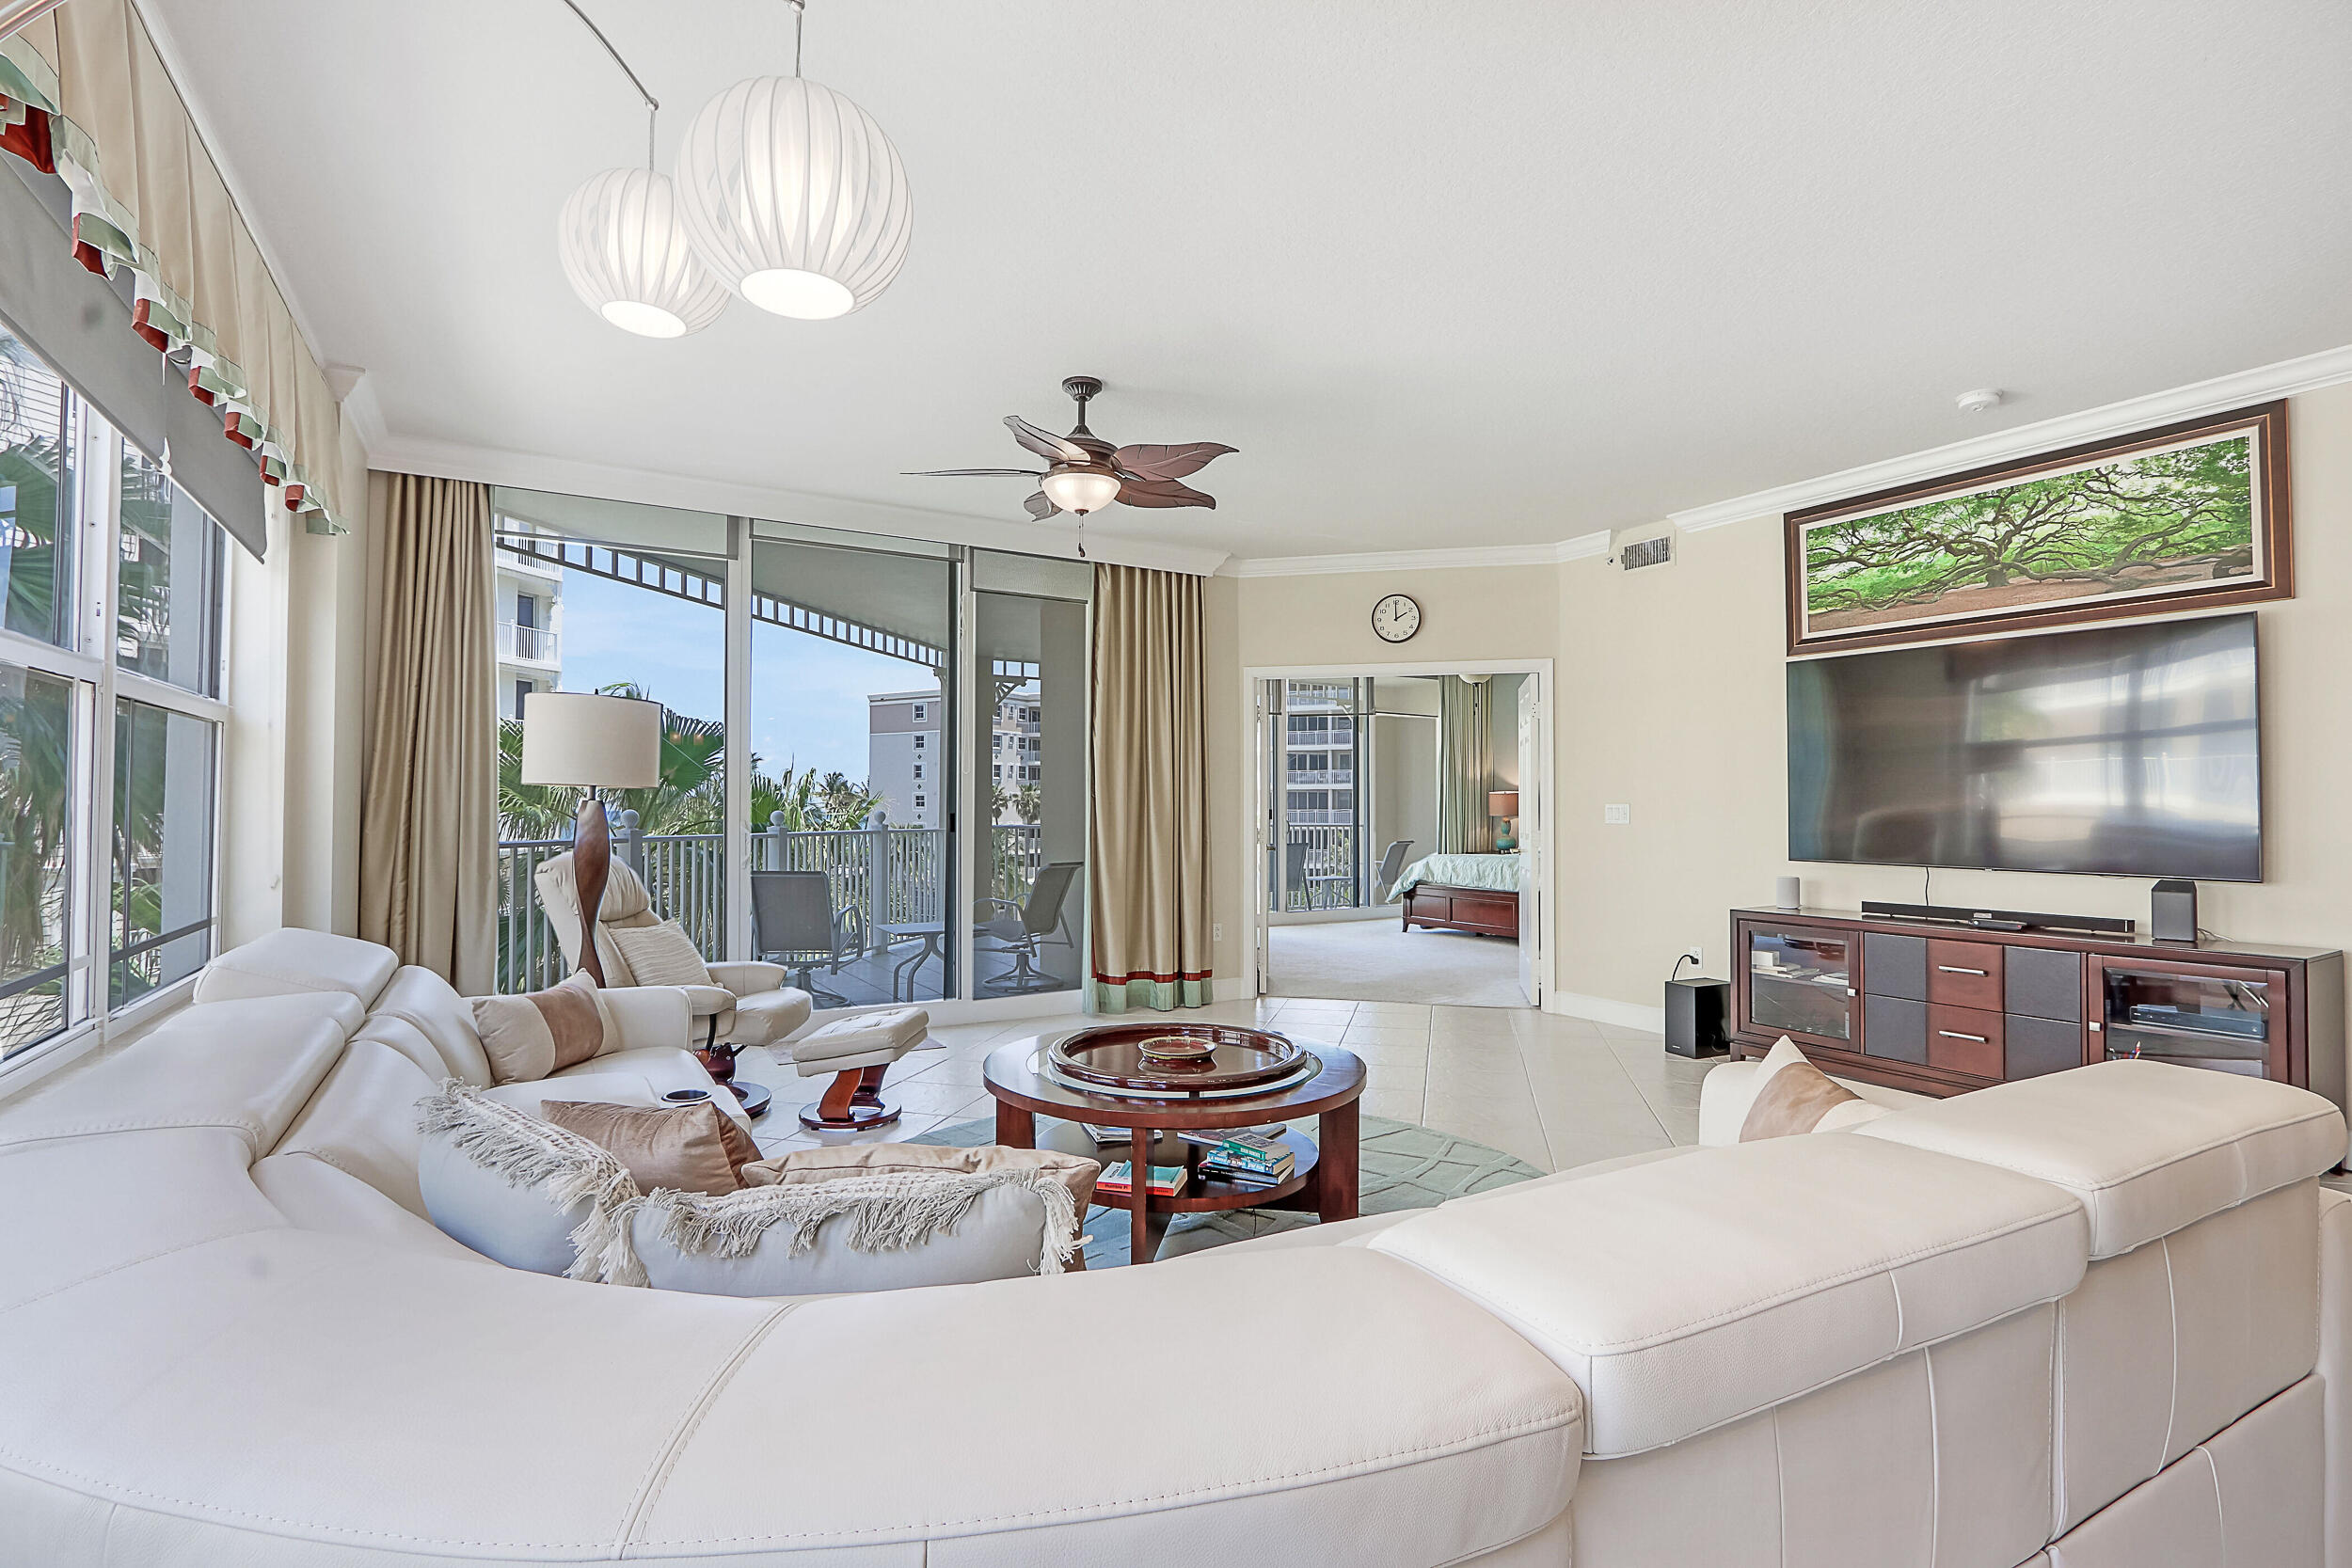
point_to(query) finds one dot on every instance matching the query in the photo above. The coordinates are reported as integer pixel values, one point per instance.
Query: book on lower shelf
(1118, 1177)
(1102, 1134)
(1243, 1153)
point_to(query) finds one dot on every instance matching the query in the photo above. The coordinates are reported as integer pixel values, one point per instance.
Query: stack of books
(1118, 1181)
(1102, 1134)
(1247, 1159)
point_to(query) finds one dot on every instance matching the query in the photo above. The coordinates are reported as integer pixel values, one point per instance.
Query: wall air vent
(1657, 550)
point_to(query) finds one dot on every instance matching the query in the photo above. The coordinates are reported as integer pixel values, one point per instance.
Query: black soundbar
(1999, 920)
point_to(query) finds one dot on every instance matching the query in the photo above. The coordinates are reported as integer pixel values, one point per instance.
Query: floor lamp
(588, 741)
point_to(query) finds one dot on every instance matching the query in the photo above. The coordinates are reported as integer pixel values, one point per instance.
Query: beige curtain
(1465, 763)
(147, 199)
(428, 806)
(1150, 868)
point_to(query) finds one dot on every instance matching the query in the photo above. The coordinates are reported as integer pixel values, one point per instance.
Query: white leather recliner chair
(747, 1003)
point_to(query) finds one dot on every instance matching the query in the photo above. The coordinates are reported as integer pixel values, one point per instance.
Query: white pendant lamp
(794, 197)
(622, 245)
(629, 259)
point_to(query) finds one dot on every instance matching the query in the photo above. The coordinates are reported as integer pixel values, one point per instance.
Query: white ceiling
(1448, 275)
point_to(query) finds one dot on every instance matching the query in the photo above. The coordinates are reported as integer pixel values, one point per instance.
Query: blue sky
(808, 695)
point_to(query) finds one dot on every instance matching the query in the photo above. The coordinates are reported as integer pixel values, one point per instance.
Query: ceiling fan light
(809, 297)
(1079, 490)
(794, 197)
(629, 259)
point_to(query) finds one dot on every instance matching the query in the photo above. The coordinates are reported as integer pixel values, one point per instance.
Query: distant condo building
(906, 759)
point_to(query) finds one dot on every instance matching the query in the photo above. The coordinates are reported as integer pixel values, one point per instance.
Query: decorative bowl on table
(1178, 1058)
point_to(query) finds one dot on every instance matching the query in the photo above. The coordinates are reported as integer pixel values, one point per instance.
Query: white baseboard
(1600, 1009)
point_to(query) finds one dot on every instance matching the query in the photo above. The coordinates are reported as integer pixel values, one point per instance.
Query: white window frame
(92, 665)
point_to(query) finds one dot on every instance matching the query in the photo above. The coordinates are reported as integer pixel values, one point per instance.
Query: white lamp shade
(628, 257)
(584, 738)
(794, 198)
(1079, 490)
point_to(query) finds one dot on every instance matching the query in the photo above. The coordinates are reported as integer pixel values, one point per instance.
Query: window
(166, 582)
(918, 742)
(921, 712)
(39, 453)
(110, 717)
(919, 769)
(161, 909)
(36, 801)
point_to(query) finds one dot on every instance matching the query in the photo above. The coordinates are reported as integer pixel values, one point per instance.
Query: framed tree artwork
(2190, 517)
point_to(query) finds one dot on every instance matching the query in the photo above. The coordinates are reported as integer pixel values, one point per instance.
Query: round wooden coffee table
(1323, 1179)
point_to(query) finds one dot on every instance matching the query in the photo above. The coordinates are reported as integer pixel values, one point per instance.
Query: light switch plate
(1616, 816)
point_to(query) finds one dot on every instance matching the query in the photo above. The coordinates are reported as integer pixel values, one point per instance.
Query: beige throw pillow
(541, 1031)
(661, 954)
(688, 1149)
(1792, 1096)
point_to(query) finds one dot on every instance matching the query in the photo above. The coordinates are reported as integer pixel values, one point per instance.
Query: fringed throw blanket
(889, 1213)
(529, 1152)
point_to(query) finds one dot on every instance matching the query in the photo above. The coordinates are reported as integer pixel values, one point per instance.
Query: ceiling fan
(1086, 473)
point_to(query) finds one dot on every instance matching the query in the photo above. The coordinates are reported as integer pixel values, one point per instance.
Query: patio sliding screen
(607, 596)
(854, 797)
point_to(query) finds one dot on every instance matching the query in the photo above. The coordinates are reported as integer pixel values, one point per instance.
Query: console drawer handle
(1955, 969)
(1956, 1035)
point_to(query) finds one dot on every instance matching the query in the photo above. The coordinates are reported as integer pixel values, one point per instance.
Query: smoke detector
(1645, 546)
(1980, 401)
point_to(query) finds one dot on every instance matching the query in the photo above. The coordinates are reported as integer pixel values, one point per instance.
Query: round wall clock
(1395, 618)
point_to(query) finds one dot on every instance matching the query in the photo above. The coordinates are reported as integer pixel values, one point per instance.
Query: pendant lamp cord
(800, 19)
(653, 105)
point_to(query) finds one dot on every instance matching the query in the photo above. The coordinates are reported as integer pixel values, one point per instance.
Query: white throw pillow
(661, 954)
(883, 1232)
(524, 1190)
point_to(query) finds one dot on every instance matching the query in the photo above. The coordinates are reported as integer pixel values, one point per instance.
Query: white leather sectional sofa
(2088, 1321)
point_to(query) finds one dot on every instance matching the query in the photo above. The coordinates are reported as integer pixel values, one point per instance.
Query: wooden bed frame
(1478, 909)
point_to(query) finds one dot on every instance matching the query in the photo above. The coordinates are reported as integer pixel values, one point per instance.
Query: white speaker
(1788, 893)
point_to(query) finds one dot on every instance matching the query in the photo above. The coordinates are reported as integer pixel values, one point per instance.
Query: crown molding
(650, 488)
(1578, 548)
(2328, 368)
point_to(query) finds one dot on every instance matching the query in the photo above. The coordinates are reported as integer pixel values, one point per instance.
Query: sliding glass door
(875, 750)
(852, 783)
(631, 600)
(1027, 762)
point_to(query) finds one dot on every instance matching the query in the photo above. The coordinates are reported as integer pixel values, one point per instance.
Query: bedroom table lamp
(589, 742)
(1505, 804)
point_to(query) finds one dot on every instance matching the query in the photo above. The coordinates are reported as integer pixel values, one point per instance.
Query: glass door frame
(966, 831)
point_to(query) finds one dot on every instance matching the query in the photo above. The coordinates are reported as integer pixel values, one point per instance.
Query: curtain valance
(85, 95)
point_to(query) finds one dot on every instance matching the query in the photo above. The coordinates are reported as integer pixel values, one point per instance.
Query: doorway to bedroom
(1398, 815)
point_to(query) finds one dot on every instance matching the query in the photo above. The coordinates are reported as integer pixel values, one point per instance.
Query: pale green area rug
(1401, 1165)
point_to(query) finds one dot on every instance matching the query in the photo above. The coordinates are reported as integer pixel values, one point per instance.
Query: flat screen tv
(2130, 751)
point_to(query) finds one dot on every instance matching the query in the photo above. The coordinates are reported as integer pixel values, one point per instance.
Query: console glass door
(2223, 1020)
(1800, 982)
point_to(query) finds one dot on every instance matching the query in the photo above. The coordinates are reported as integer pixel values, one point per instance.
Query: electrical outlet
(1616, 816)
(1217, 931)
(1697, 954)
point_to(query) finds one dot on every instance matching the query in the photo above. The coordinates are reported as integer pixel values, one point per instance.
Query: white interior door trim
(1254, 800)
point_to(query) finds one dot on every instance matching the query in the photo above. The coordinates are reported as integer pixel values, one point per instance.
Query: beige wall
(1669, 700)
(1672, 704)
(1501, 614)
(291, 796)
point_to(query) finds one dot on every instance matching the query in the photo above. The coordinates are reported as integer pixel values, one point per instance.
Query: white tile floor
(1555, 1091)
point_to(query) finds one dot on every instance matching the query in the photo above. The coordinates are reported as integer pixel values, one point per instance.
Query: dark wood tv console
(1941, 1009)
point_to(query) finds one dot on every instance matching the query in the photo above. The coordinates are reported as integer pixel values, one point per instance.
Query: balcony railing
(528, 644)
(881, 876)
(1319, 867)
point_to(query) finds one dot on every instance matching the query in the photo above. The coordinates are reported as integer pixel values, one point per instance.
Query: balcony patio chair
(1020, 930)
(744, 1004)
(1391, 867)
(794, 922)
